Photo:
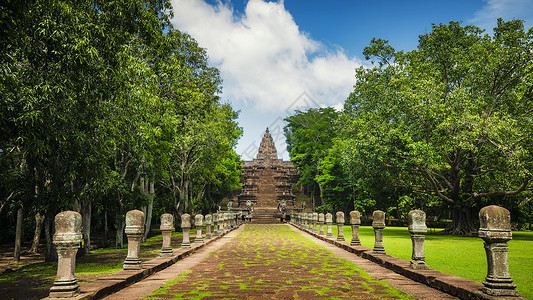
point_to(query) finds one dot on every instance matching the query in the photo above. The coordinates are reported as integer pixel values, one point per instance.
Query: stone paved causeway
(274, 261)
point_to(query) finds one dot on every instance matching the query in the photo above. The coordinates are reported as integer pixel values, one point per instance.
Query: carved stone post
(199, 223)
(355, 221)
(315, 221)
(167, 224)
(186, 227)
(329, 222)
(221, 222)
(215, 223)
(378, 224)
(321, 223)
(339, 218)
(310, 221)
(418, 229)
(134, 231)
(226, 221)
(66, 238)
(208, 223)
(495, 230)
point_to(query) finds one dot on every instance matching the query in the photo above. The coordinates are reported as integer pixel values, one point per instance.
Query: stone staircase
(266, 210)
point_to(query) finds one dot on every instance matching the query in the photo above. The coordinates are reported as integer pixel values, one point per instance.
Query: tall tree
(447, 120)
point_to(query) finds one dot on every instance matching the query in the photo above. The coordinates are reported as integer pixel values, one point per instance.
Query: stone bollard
(418, 229)
(321, 223)
(186, 227)
(355, 221)
(378, 223)
(215, 224)
(167, 224)
(67, 238)
(199, 223)
(220, 223)
(226, 221)
(495, 230)
(315, 221)
(208, 223)
(134, 231)
(339, 218)
(329, 222)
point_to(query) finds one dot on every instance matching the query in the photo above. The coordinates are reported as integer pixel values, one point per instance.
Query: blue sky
(277, 56)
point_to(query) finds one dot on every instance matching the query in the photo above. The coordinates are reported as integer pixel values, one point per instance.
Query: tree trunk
(462, 223)
(86, 210)
(18, 235)
(50, 254)
(149, 211)
(106, 227)
(39, 220)
(119, 225)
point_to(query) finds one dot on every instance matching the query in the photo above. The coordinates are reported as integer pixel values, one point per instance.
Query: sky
(276, 57)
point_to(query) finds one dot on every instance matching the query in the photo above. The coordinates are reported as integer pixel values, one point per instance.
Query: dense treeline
(447, 128)
(105, 107)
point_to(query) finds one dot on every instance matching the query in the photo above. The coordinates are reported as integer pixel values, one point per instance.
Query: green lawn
(460, 256)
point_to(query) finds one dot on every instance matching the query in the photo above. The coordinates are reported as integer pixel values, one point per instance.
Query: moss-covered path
(273, 261)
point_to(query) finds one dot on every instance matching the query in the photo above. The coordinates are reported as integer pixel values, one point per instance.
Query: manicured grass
(460, 256)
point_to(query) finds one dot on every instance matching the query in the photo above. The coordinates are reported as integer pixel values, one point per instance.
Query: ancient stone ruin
(267, 185)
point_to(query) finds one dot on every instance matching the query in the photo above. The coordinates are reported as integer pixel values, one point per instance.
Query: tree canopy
(100, 100)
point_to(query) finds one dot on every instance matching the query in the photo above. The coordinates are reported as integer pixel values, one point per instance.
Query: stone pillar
(215, 223)
(67, 238)
(226, 221)
(220, 223)
(199, 223)
(378, 223)
(321, 223)
(167, 224)
(186, 227)
(208, 223)
(329, 222)
(339, 218)
(495, 230)
(134, 231)
(418, 229)
(315, 221)
(310, 221)
(355, 221)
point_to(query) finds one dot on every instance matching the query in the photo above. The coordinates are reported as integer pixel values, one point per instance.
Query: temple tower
(267, 184)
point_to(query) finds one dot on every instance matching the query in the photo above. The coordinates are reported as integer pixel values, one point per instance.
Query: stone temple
(267, 185)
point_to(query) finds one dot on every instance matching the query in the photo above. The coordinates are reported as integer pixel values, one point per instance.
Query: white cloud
(507, 9)
(264, 58)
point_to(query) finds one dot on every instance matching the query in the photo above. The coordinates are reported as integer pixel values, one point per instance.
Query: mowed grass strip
(459, 256)
(274, 261)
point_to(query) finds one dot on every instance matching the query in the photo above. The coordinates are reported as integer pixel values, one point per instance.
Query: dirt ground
(32, 277)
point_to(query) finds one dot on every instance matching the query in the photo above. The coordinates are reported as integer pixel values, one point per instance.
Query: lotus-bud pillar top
(186, 227)
(418, 229)
(315, 221)
(321, 223)
(355, 221)
(66, 238)
(134, 230)
(378, 223)
(329, 222)
(208, 223)
(199, 222)
(495, 230)
(339, 217)
(167, 225)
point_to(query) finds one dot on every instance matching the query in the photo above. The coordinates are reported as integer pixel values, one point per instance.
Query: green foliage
(449, 120)
(101, 98)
